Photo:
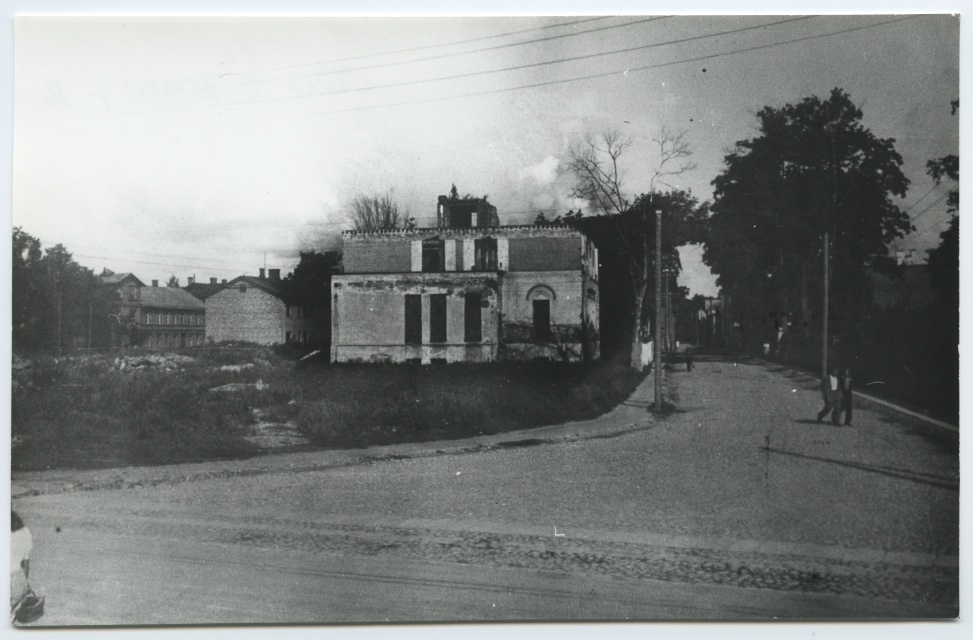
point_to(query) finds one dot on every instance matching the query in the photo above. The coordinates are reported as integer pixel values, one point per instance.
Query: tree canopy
(378, 213)
(813, 167)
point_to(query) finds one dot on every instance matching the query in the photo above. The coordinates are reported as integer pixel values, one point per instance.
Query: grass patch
(86, 412)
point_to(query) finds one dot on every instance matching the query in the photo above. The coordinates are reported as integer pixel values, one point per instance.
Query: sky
(210, 147)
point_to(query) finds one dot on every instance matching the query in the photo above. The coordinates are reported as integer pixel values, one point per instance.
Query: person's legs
(848, 405)
(836, 409)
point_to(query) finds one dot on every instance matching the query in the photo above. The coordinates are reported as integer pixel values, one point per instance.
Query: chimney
(274, 275)
(191, 279)
(212, 280)
(155, 283)
(262, 270)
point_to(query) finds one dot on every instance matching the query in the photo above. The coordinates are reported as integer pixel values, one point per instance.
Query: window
(287, 337)
(473, 328)
(413, 319)
(485, 251)
(542, 320)
(148, 319)
(132, 293)
(159, 319)
(243, 287)
(437, 317)
(433, 255)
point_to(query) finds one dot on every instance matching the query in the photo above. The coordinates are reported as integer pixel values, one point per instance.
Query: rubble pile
(159, 361)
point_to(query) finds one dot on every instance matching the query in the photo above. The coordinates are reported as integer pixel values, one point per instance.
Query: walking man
(846, 396)
(830, 392)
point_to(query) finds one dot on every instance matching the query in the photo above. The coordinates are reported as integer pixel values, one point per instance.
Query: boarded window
(437, 318)
(542, 320)
(413, 319)
(433, 255)
(473, 331)
(485, 254)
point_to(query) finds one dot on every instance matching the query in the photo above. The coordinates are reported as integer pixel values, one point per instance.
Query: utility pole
(824, 316)
(658, 310)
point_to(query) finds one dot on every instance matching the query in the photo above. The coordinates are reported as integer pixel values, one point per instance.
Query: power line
(927, 210)
(520, 67)
(474, 73)
(609, 73)
(541, 84)
(393, 51)
(428, 58)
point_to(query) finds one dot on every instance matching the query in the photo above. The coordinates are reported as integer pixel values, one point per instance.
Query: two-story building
(170, 317)
(257, 310)
(468, 290)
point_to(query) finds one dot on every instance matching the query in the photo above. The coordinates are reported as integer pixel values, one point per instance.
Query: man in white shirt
(831, 394)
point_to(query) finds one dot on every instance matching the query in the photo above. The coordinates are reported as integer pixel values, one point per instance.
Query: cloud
(544, 172)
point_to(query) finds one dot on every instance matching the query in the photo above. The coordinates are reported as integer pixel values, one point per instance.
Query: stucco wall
(368, 317)
(542, 253)
(382, 256)
(250, 316)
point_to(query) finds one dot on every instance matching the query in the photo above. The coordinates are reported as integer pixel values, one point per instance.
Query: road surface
(738, 506)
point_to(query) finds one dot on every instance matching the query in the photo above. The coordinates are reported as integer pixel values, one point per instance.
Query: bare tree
(595, 164)
(377, 213)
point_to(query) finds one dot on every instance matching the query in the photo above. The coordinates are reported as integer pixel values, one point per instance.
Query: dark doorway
(473, 329)
(542, 320)
(437, 318)
(413, 319)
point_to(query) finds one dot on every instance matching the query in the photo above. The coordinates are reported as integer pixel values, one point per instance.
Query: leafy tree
(173, 281)
(944, 259)
(379, 213)
(57, 303)
(627, 228)
(309, 285)
(812, 168)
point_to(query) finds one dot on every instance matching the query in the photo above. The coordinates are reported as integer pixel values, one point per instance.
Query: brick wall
(249, 316)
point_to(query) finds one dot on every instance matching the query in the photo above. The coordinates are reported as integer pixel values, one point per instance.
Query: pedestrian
(847, 396)
(830, 392)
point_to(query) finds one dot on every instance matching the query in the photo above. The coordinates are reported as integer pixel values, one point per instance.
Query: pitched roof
(119, 278)
(170, 298)
(203, 290)
(273, 287)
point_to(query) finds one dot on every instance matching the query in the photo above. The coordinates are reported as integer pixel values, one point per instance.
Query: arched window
(542, 299)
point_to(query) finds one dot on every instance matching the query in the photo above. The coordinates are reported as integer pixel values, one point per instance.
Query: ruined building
(468, 290)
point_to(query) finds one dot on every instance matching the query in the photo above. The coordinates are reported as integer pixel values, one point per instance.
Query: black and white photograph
(581, 316)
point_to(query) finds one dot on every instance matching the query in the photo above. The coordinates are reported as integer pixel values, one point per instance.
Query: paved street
(739, 505)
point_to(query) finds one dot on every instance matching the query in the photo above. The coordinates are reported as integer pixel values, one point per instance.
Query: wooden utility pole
(658, 311)
(824, 316)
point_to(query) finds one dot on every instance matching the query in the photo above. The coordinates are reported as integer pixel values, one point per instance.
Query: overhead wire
(387, 53)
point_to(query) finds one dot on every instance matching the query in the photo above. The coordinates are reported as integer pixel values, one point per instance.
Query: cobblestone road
(740, 488)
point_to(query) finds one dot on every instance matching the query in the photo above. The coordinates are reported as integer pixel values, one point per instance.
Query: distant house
(257, 310)
(170, 317)
(468, 290)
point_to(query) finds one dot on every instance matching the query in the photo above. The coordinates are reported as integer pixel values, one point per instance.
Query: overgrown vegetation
(85, 412)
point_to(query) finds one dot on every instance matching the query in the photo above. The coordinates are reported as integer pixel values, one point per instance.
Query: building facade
(463, 292)
(255, 309)
(170, 318)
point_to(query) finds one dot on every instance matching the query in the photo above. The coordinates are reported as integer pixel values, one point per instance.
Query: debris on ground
(234, 387)
(271, 435)
(163, 361)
